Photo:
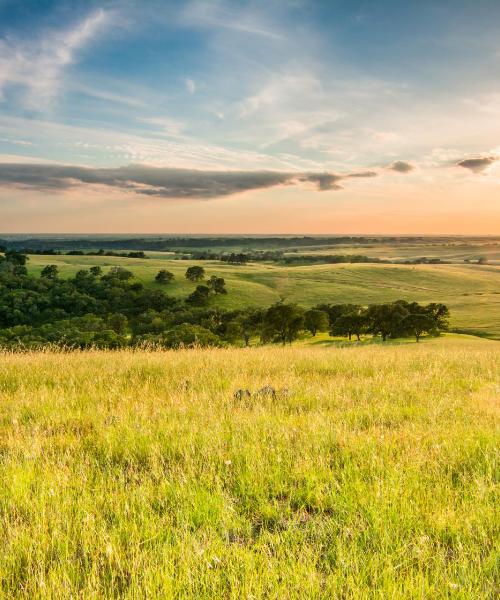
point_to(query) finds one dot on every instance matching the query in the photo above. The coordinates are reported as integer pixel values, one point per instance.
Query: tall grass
(374, 474)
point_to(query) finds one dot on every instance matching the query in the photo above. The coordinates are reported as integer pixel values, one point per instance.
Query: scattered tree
(200, 296)
(217, 285)
(195, 273)
(163, 276)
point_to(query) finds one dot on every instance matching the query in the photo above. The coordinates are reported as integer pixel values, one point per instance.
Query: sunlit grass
(373, 474)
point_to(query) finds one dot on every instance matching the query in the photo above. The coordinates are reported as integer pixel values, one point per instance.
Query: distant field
(454, 252)
(138, 475)
(472, 292)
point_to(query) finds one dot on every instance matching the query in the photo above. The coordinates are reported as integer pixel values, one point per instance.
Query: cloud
(400, 166)
(220, 15)
(190, 85)
(477, 165)
(36, 66)
(16, 142)
(162, 182)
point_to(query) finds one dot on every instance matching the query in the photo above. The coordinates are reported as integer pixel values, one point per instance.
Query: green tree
(439, 314)
(217, 285)
(283, 323)
(50, 272)
(418, 324)
(386, 319)
(118, 273)
(118, 322)
(164, 276)
(195, 273)
(251, 321)
(349, 324)
(200, 296)
(234, 331)
(316, 320)
(96, 271)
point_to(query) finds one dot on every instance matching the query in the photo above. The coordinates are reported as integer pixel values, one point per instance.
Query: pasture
(373, 473)
(472, 292)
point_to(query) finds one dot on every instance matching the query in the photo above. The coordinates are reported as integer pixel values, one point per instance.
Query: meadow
(472, 292)
(373, 473)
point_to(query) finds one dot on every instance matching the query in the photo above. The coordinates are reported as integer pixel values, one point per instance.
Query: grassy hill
(372, 474)
(472, 292)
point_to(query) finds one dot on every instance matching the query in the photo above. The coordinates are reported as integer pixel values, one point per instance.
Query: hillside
(132, 474)
(472, 292)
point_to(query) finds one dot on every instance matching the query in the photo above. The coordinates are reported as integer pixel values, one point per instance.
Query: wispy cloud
(190, 85)
(36, 67)
(219, 15)
(16, 142)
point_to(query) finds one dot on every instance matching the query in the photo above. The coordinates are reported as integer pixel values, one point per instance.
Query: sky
(275, 116)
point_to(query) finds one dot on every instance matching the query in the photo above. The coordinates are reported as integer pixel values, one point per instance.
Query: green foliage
(115, 309)
(217, 284)
(316, 320)
(164, 276)
(195, 273)
(200, 296)
(50, 272)
(283, 323)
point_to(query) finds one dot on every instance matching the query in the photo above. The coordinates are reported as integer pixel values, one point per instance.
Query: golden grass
(138, 475)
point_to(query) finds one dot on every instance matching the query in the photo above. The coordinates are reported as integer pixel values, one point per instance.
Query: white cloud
(36, 67)
(190, 85)
(16, 142)
(224, 16)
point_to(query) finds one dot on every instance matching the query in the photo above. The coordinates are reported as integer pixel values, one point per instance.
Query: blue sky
(364, 116)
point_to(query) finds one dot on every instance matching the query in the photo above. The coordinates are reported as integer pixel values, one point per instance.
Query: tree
(96, 271)
(334, 311)
(119, 273)
(251, 322)
(234, 332)
(439, 314)
(316, 320)
(118, 322)
(16, 258)
(200, 296)
(283, 323)
(163, 276)
(349, 324)
(50, 272)
(217, 285)
(195, 273)
(418, 324)
(386, 319)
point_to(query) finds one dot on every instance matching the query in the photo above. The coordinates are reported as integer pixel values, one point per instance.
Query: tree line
(113, 310)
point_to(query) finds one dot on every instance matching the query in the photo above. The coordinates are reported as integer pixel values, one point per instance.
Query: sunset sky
(291, 116)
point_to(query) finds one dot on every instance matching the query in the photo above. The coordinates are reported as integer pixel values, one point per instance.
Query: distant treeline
(167, 243)
(100, 252)
(114, 310)
(242, 258)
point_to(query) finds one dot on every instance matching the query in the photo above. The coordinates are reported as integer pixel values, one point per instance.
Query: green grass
(472, 292)
(138, 475)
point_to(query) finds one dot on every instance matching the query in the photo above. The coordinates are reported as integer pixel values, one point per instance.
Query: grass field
(138, 475)
(472, 292)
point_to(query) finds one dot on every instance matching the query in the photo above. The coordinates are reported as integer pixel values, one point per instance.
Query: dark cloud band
(163, 182)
